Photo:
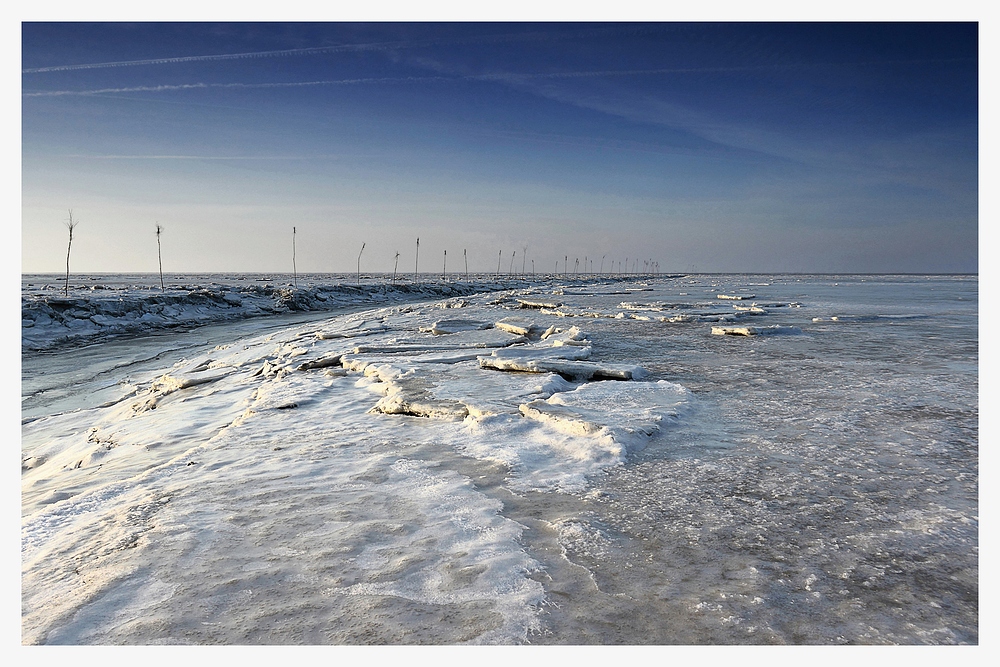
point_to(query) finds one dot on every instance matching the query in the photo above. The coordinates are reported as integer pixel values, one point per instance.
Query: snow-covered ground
(569, 462)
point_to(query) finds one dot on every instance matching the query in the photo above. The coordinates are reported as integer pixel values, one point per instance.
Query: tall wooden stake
(359, 263)
(69, 225)
(159, 256)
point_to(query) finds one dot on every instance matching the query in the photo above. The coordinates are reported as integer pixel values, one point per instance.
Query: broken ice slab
(420, 405)
(628, 412)
(568, 352)
(528, 303)
(461, 340)
(408, 393)
(734, 331)
(442, 327)
(576, 371)
(448, 357)
(736, 297)
(556, 336)
(169, 383)
(755, 331)
(517, 325)
(352, 331)
(323, 362)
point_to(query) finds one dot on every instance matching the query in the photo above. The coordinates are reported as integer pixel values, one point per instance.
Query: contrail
(225, 56)
(504, 77)
(511, 76)
(201, 157)
(190, 86)
(137, 89)
(346, 48)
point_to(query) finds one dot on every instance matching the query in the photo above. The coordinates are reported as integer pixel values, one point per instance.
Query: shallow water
(814, 484)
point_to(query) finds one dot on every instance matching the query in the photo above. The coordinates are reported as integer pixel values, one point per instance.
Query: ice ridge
(48, 321)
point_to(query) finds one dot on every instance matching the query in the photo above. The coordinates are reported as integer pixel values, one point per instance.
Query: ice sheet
(353, 479)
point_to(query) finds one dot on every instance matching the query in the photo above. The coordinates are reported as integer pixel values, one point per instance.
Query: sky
(711, 147)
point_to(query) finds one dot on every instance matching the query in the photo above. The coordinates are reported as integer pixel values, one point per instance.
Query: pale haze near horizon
(750, 147)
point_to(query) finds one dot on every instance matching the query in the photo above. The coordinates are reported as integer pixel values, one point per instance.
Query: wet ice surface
(363, 479)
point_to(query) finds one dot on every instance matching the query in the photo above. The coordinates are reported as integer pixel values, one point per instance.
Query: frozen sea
(698, 459)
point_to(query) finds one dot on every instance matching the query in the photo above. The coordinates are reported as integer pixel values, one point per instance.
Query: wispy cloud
(853, 160)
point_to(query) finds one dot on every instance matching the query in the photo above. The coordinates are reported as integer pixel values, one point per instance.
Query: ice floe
(775, 329)
(409, 393)
(627, 412)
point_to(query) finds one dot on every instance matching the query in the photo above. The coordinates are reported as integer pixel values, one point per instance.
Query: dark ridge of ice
(113, 305)
(49, 321)
(572, 370)
(323, 362)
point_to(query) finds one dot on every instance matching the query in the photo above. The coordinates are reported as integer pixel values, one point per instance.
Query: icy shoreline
(104, 309)
(360, 418)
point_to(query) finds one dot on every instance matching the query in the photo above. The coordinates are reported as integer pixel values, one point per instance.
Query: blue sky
(712, 147)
